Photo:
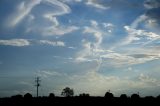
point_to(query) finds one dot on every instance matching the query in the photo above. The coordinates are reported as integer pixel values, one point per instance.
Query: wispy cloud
(62, 8)
(136, 35)
(118, 59)
(22, 10)
(138, 20)
(92, 49)
(15, 42)
(28, 42)
(147, 79)
(71, 1)
(97, 31)
(35, 22)
(54, 28)
(51, 18)
(25, 7)
(52, 43)
(97, 4)
(60, 30)
(109, 4)
(48, 73)
(100, 83)
(71, 47)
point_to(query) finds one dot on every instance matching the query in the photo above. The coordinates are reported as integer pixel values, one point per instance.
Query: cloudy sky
(91, 46)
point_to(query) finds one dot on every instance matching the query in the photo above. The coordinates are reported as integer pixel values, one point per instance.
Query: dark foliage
(51, 95)
(84, 95)
(82, 99)
(67, 92)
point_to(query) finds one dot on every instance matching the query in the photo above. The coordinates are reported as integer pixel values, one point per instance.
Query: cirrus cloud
(15, 42)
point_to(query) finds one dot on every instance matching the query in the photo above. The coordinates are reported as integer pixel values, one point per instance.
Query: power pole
(37, 83)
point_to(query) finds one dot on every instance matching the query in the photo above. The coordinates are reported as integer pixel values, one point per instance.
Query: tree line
(83, 99)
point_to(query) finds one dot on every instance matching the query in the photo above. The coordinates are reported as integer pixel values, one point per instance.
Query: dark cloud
(153, 11)
(143, 55)
(152, 4)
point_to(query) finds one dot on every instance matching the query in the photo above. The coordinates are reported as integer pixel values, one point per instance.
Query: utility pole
(37, 83)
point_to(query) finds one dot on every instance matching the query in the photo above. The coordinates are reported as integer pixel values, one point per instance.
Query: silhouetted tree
(51, 95)
(135, 96)
(67, 92)
(18, 96)
(108, 95)
(84, 95)
(123, 96)
(158, 97)
(27, 96)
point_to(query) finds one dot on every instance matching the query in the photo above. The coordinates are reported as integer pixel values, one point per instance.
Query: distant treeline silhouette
(82, 99)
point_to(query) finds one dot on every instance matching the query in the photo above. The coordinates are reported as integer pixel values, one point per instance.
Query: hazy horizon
(91, 46)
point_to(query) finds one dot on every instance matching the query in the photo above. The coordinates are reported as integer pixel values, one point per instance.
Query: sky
(92, 46)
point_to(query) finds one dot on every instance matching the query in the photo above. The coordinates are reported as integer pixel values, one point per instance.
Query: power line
(37, 83)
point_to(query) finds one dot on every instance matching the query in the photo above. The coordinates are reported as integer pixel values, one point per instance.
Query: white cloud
(92, 50)
(60, 30)
(107, 25)
(82, 59)
(151, 23)
(46, 73)
(94, 23)
(96, 31)
(134, 35)
(97, 4)
(15, 42)
(31, 17)
(142, 36)
(52, 43)
(48, 15)
(109, 57)
(25, 7)
(97, 34)
(22, 10)
(130, 69)
(60, 43)
(146, 78)
(78, 0)
(51, 18)
(61, 10)
(71, 47)
(118, 59)
(95, 81)
(100, 83)
(139, 20)
(54, 28)
(70, 1)
(26, 42)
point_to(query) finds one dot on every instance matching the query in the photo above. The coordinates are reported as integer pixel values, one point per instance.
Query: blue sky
(91, 46)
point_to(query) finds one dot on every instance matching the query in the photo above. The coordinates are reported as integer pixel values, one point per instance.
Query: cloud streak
(101, 83)
(60, 30)
(22, 10)
(25, 10)
(15, 42)
(52, 43)
(28, 42)
(97, 4)
(136, 35)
